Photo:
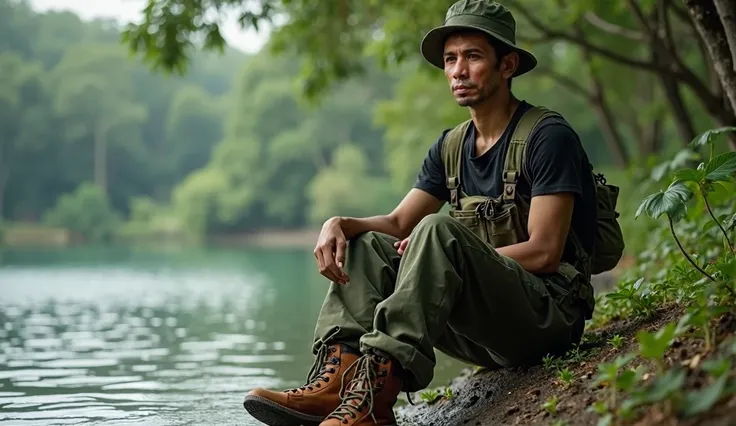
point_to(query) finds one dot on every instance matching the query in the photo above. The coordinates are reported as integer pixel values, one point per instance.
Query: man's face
(472, 69)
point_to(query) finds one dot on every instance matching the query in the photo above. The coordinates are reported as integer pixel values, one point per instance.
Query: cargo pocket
(470, 220)
(506, 227)
(564, 288)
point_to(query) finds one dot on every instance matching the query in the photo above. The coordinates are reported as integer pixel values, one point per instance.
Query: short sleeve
(431, 177)
(555, 160)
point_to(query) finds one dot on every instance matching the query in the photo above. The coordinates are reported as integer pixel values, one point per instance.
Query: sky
(129, 10)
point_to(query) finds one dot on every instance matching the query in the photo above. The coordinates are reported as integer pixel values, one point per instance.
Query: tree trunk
(606, 118)
(682, 119)
(652, 136)
(727, 11)
(4, 176)
(711, 30)
(101, 156)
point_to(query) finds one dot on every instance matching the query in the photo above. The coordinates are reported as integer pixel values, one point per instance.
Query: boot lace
(320, 368)
(360, 390)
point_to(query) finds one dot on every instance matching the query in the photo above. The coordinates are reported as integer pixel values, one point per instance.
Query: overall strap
(452, 157)
(515, 156)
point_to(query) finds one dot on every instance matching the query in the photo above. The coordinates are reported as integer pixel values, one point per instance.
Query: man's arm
(549, 222)
(330, 249)
(556, 162)
(400, 222)
(427, 196)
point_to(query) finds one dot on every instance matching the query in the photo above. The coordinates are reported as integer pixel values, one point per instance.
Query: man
(414, 280)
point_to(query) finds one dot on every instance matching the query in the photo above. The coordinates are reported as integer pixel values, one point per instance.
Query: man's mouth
(461, 89)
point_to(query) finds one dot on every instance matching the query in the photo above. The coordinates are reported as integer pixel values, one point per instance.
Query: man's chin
(467, 101)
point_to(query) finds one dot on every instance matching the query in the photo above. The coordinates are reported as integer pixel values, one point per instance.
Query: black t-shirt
(556, 162)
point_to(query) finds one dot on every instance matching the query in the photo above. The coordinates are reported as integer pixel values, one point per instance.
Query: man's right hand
(330, 251)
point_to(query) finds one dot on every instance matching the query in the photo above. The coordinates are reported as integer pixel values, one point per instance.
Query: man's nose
(459, 69)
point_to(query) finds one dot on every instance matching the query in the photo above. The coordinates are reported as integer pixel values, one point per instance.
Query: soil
(515, 397)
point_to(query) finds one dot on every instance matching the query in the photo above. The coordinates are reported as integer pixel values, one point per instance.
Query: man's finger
(318, 256)
(403, 245)
(340, 258)
(330, 265)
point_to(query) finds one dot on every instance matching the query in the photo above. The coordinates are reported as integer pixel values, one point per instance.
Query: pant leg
(371, 262)
(449, 279)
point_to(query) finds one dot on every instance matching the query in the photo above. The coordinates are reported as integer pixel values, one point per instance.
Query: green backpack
(502, 221)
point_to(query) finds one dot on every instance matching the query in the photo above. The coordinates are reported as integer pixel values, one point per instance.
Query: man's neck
(491, 119)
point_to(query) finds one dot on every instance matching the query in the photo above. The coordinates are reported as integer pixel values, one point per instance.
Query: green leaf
(653, 346)
(721, 167)
(728, 268)
(688, 175)
(730, 223)
(666, 385)
(672, 202)
(706, 137)
(703, 399)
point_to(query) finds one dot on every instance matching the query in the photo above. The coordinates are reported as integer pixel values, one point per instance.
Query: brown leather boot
(311, 403)
(371, 395)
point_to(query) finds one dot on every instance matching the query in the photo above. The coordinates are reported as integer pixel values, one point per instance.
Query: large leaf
(679, 160)
(672, 202)
(706, 137)
(721, 167)
(688, 175)
(704, 399)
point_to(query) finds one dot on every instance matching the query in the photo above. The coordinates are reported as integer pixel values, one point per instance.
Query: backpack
(502, 221)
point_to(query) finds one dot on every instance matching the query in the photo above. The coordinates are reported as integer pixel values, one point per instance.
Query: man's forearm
(385, 224)
(532, 256)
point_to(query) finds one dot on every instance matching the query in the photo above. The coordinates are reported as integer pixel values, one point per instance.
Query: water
(121, 336)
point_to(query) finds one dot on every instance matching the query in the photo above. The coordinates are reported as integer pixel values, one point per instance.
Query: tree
(194, 125)
(91, 92)
(23, 127)
(662, 32)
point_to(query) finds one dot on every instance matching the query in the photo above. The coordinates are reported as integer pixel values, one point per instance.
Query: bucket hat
(487, 16)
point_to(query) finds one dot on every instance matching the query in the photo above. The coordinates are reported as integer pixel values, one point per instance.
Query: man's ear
(509, 64)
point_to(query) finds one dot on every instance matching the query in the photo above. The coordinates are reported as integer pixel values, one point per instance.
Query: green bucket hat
(483, 15)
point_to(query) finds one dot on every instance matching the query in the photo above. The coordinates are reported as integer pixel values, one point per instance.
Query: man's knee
(369, 242)
(435, 221)
(370, 238)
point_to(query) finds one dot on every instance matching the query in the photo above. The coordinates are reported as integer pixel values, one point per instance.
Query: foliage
(702, 281)
(86, 211)
(74, 107)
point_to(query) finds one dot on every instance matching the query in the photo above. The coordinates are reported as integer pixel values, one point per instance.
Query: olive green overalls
(452, 291)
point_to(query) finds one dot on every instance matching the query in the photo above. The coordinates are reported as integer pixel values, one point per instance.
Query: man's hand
(402, 245)
(330, 252)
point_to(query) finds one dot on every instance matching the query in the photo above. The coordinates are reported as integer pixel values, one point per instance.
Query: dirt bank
(514, 397)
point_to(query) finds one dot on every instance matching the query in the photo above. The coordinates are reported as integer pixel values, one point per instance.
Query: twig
(718, 222)
(612, 28)
(672, 229)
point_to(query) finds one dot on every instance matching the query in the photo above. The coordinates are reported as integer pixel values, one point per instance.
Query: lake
(113, 336)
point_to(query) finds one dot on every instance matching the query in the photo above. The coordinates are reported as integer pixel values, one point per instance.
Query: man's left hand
(401, 245)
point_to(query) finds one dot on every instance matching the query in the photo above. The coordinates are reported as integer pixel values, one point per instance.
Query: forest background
(98, 145)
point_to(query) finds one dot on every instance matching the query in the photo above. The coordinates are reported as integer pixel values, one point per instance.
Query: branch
(559, 35)
(664, 18)
(565, 81)
(689, 79)
(612, 28)
(656, 40)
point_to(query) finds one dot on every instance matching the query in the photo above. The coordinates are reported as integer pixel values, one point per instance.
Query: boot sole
(274, 414)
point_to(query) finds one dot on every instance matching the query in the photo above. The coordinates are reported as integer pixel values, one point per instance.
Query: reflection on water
(114, 336)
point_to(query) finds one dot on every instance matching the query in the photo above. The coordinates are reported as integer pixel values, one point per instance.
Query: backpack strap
(451, 157)
(516, 153)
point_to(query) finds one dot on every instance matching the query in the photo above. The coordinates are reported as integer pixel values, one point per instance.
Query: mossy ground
(518, 397)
